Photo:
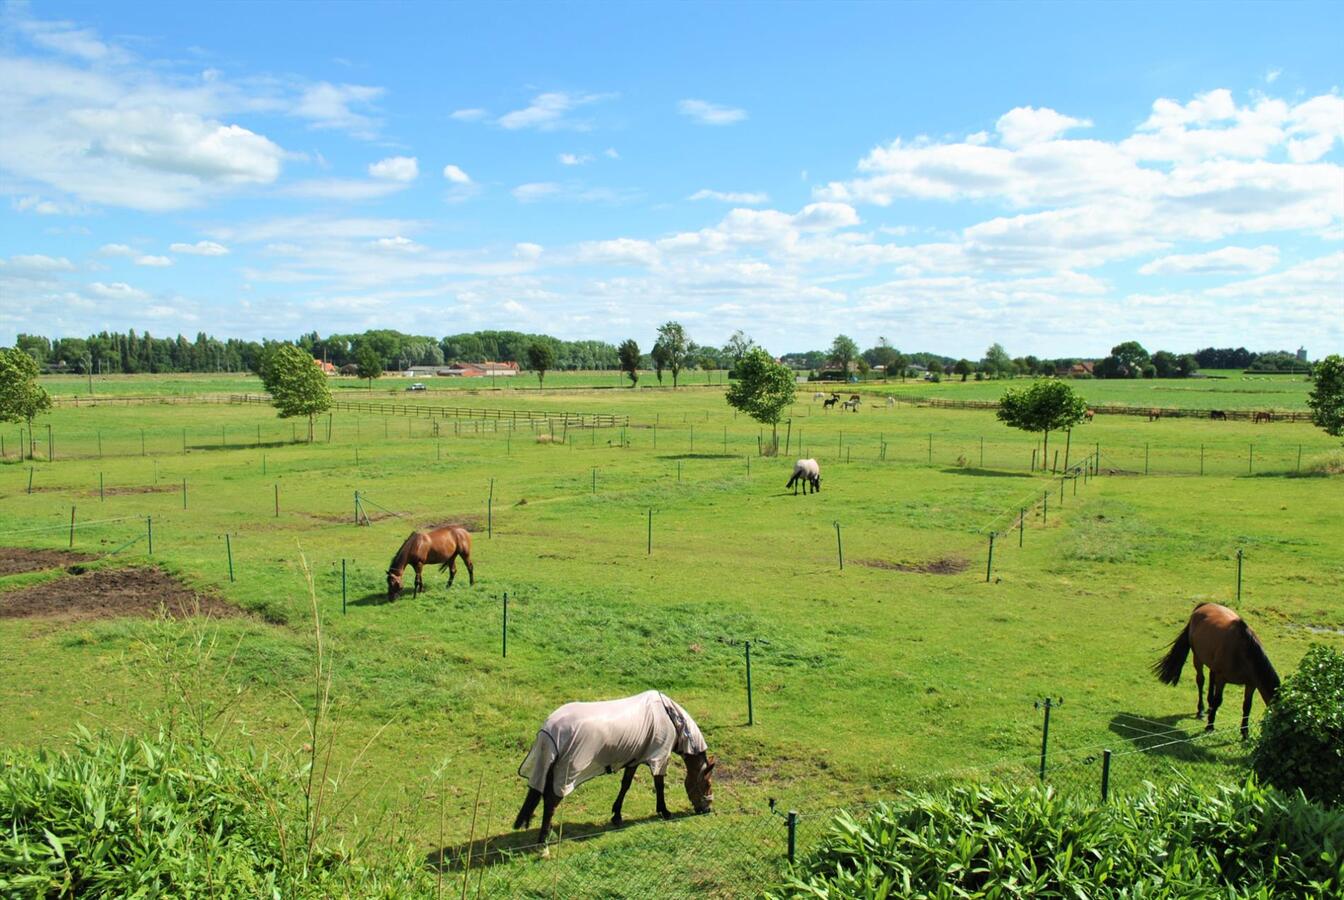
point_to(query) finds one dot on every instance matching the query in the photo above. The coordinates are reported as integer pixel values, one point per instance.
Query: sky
(1057, 177)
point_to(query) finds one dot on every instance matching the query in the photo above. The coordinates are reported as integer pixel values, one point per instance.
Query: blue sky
(1057, 177)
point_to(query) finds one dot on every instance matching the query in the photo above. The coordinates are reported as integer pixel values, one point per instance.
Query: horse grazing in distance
(1088, 414)
(1217, 415)
(442, 545)
(830, 401)
(1224, 642)
(891, 401)
(851, 405)
(580, 741)
(1263, 417)
(809, 473)
(1154, 415)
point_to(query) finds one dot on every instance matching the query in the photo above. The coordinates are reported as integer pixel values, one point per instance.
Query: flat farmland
(905, 667)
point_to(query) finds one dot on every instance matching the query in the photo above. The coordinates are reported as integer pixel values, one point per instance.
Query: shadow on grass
(510, 845)
(248, 445)
(1174, 736)
(374, 598)
(985, 473)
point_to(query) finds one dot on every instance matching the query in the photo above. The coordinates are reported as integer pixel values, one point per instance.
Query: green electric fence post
(751, 714)
(490, 511)
(989, 566)
(356, 507)
(594, 479)
(649, 552)
(1299, 457)
(263, 464)
(1045, 507)
(72, 527)
(1250, 460)
(1145, 457)
(930, 448)
(504, 630)
(1021, 526)
(30, 479)
(142, 442)
(982, 451)
(1201, 459)
(101, 497)
(184, 442)
(51, 448)
(277, 500)
(692, 438)
(184, 493)
(1239, 557)
(839, 547)
(343, 592)
(228, 548)
(1047, 704)
(149, 532)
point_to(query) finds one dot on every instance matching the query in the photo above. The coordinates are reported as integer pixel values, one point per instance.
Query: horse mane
(400, 558)
(1265, 674)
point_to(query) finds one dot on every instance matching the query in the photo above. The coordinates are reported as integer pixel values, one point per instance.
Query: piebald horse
(442, 545)
(580, 741)
(809, 473)
(1224, 642)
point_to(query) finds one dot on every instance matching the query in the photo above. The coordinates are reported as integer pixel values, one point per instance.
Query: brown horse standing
(1224, 642)
(442, 545)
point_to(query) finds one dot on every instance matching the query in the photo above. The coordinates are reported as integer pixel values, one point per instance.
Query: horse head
(816, 483)
(393, 585)
(699, 790)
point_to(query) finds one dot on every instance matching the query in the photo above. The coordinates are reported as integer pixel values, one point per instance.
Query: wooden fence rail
(432, 411)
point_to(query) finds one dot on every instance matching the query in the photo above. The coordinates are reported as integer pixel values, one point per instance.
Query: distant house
(326, 367)
(422, 371)
(1080, 368)
(481, 370)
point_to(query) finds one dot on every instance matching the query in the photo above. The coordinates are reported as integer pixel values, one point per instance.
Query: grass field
(901, 668)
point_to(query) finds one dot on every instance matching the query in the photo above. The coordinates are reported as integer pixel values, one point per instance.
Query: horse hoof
(617, 821)
(1208, 727)
(664, 814)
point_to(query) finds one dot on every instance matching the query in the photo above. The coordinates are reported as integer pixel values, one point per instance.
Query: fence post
(184, 493)
(1201, 459)
(1145, 457)
(504, 628)
(101, 498)
(228, 547)
(792, 821)
(1299, 457)
(72, 526)
(1047, 704)
(342, 585)
(930, 448)
(356, 507)
(1105, 774)
(30, 479)
(751, 714)
(650, 550)
(1045, 507)
(277, 500)
(51, 449)
(149, 531)
(982, 451)
(989, 567)
(1068, 439)
(839, 547)
(1239, 555)
(1021, 525)
(1250, 460)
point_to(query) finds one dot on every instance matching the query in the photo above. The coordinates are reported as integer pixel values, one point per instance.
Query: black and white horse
(809, 473)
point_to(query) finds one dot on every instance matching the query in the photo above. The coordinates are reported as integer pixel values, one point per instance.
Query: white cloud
(1272, 75)
(45, 207)
(707, 113)
(748, 198)
(571, 191)
(1224, 261)
(67, 38)
(610, 153)
(528, 251)
(1028, 125)
(456, 175)
(574, 159)
(117, 290)
(468, 115)
(398, 244)
(327, 105)
(116, 250)
(396, 168)
(154, 261)
(536, 190)
(200, 248)
(548, 111)
(342, 188)
(36, 263)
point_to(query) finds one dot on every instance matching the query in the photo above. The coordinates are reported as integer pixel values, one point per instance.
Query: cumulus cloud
(158, 262)
(116, 250)
(1224, 261)
(38, 263)
(1028, 125)
(549, 111)
(333, 106)
(396, 168)
(456, 175)
(574, 159)
(117, 290)
(200, 248)
(707, 113)
(748, 198)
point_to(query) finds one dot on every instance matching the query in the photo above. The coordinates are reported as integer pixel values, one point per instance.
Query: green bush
(119, 817)
(1006, 842)
(1301, 741)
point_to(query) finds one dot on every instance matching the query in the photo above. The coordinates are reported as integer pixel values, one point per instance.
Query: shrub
(1301, 742)
(1003, 842)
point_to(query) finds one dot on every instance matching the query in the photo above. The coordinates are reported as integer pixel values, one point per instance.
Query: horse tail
(1168, 668)
(796, 474)
(529, 807)
(1266, 678)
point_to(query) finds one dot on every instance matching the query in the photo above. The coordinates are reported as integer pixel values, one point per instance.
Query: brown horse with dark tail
(442, 545)
(1223, 641)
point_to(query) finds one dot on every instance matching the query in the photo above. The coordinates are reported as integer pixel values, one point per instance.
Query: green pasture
(867, 679)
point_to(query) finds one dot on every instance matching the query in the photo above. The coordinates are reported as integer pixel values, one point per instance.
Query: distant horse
(891, 401)
(809, 473)
(1154, 415)
(830, 401)
(817, 396)
(854, 397)
(442, 545)
(1088, 414)
(1263, 417)
(1217, 415)
(580, 741)
(852, 404)
(1224, 642)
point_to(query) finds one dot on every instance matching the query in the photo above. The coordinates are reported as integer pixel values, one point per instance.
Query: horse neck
(1266, 677)
(401, 558)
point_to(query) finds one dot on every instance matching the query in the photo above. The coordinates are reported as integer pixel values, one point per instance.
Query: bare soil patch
(947, 565)
(138, 489)
(14, 560)
(135, 592)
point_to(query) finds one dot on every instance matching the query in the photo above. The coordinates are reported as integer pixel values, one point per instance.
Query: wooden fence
(437, 411)
(1165, 412)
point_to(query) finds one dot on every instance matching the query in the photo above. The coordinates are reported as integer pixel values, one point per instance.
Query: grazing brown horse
(1263, 417)
(1218, 415)
(1154, 415)
(1088, 414)
(1224, 642)
(442, 545)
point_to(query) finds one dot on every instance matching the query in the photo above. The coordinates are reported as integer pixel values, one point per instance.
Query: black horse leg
(662, 800)
(452, 569)
(628, 777)
(549, 802)
(471, 571)
(1246, 712)
(1215, 699)
(1199, 690)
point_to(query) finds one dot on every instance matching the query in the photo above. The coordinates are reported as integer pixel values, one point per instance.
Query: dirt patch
(1118, 472)
(471, 523)
(137, 489)
(14, 560)
(948, 565)
(135, 592)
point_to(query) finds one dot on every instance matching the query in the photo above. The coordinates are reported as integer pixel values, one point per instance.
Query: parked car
(415, 387)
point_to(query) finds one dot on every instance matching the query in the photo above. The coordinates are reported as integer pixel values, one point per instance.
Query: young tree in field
(368, 363)
(676, 348)
(1045, 406)
(1327, 395)
(540, 357)
(963, 368)
(842, 353)
(658, 355)
(297, 384)
(629, 355)
(763, 389)
(22, 399)
(738, 346)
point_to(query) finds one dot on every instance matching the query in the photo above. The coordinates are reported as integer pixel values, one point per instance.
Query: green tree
(738, 346)
(1127, 360)
(658, 356)
(629, 356)
(296, 384)
(368, 363)
(540, 357)
(963, 368)
(763, 389)
(1187, 365)
(1046, 405)
(997, 362)
(22, 399)
(1164, 361)
(676, 348)
(842, 353)
(1327, 395)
